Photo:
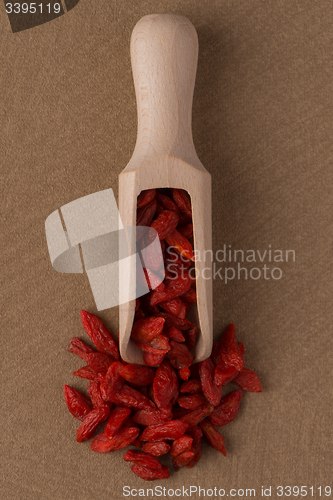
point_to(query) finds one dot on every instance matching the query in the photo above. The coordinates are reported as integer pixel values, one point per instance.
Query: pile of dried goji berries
(167, 406)
(153, 408)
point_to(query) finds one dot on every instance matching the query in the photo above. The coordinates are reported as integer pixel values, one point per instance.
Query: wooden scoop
(164, 53)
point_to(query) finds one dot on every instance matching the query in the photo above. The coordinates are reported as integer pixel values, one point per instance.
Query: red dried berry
(144, 330)
(146, 197)
(165, 384)
(145, 214)
(86, 372)
(180, 356)
(175, 334)
(156, 449)
(152, 359)
(78, 404)
(99, 334)
(94, 391)
(248, 381)
(184, 373)
(150, 474)
(227, 409)
(182, 459)
(121, 438)
(212, 391)
(192, 402)
(195, 417)
(143, 459)
(116, 420)
(192, 386)
(180, 445)
(112, 381)
(161, 432)
(127, 396)
(165, 223)
(137, 374)
(91, 422)
(213, 436)
(196, 448)
(229, 350)
(152, 416)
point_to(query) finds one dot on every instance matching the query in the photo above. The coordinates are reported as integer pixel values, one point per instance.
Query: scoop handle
(164, 55)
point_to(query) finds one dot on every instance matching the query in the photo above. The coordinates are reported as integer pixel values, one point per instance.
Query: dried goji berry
(146, 197)
(173, 429)
(248, 381)
(174, 334)
(192, 386)
(182, 459)
(137, 374)
(94, 392)
(150, 474)
(184, 373)
(145, 214)
(156, 449)
(180, 445)
(213, 436)
(187, 230)
(229, 349)
(98, 361)
(160, 342)
(165, 384)
(127, 396)
(223, 374)
(212, 391)
(227, 409)
(144, 330)
(192, 402)
(167, 203)
(182, 201)
(165, 223)
(142, 458)
(76, 345)
(78, 404)
(86, 372)
(152, 359)
(121, 438)
(151, 416)
(112, 381)
(191, 337)
(99, 334)
(180, 356)
(241, 349)
(195, 417)
(173, 288)
(171, 320)
(196, 448)
(173, 306)
(91, 422)
(115, 421)
(180, 243)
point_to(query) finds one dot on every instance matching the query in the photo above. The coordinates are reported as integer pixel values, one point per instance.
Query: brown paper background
(262, 125)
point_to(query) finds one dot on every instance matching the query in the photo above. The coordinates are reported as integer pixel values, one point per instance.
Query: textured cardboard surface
(262, 125)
